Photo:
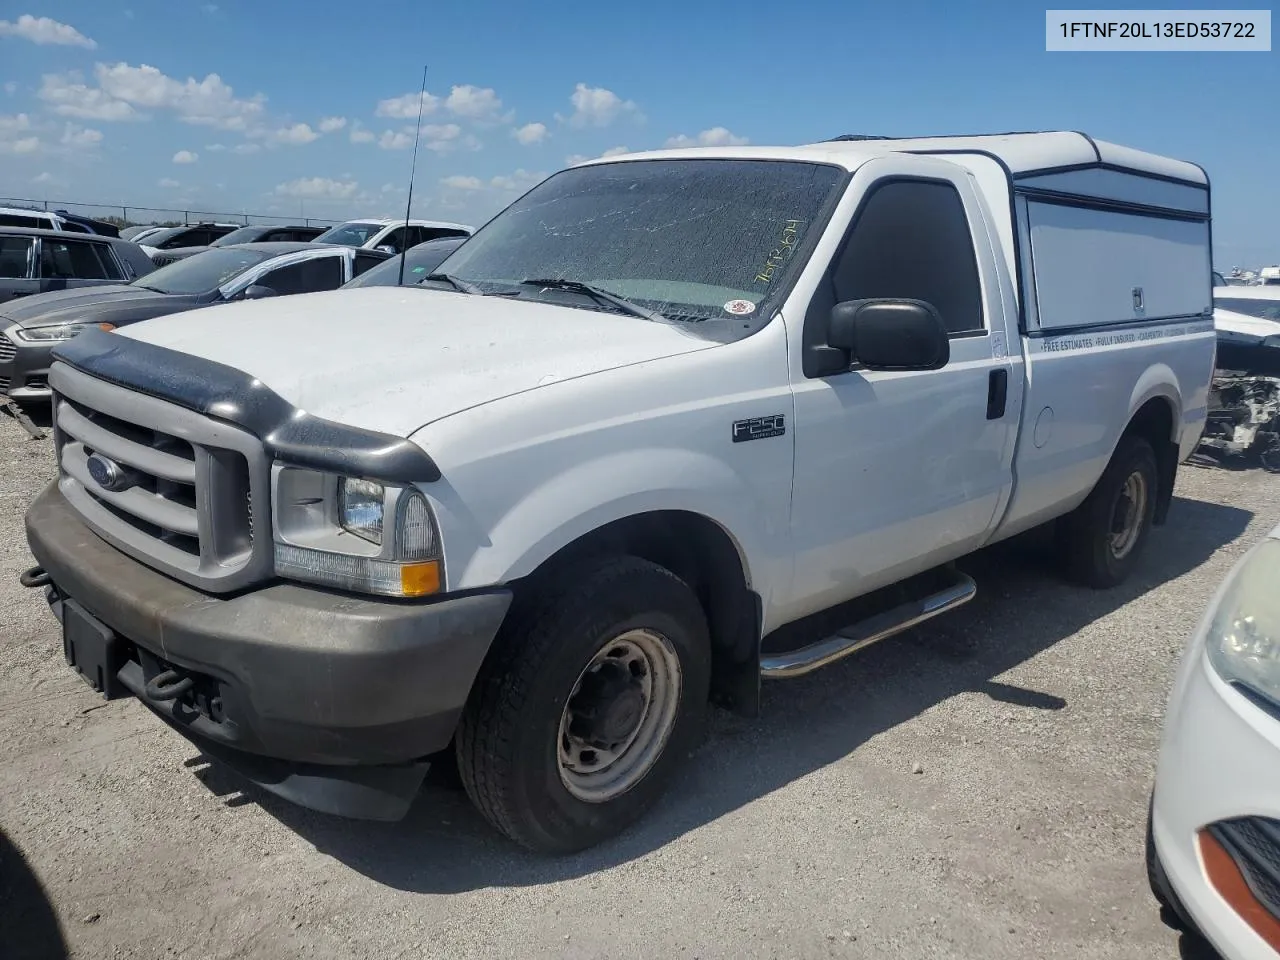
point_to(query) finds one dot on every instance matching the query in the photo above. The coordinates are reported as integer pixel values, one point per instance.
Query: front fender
(547, 516)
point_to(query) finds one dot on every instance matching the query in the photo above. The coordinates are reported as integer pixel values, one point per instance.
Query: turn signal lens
(420, 579)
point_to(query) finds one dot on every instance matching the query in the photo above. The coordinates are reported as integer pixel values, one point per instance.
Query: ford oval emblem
(106, 473)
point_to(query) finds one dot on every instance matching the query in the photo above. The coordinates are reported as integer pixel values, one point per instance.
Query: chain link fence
(128, 216)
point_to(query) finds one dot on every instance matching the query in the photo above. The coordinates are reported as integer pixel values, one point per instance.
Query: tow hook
(35, 577)
(168, 685)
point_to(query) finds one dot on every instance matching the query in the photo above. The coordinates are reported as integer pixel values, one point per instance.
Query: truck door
(896, 472)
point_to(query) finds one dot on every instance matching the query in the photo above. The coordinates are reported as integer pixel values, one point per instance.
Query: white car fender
(559, 510)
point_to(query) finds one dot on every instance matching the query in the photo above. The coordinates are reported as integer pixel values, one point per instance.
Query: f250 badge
(759, 428)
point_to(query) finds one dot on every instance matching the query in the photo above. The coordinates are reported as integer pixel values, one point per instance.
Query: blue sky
(104, 101)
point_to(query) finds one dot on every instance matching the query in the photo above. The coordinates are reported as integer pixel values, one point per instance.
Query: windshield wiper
(601, 295)
(456, 282)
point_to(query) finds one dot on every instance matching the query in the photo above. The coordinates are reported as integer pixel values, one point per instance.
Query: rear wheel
(1102, 539)
(591, 697)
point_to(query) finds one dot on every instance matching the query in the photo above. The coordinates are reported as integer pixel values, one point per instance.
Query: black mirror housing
(886, 334)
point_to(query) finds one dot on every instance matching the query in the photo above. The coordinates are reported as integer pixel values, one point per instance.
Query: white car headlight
(1243, 641)
(62, 331)
(355, 534)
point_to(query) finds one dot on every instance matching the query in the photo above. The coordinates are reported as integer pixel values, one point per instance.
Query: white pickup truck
(541, 509)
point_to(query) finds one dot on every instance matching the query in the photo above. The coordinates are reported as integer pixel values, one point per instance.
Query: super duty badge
(758, 428)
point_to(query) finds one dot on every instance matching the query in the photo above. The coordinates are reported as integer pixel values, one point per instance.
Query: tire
(518, 753)
(1087, 537)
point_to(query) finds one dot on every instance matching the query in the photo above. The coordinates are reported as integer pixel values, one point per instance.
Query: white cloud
(715, 137)
(13, 123)
(519, 181)
(596, 106)
(43, 30)
(244, 149)
(458, 182)
(210, 8)
(185, 156)
(530, 133)
(215, 147)
(15, 134)
(72, 98)
(360, 135)
(576, 158)
(45, 177)
(23, 145)
(332, 124)
(475, 103)
(74, 135)
(169, 183)
(297, 134)
(406, 107)
(11, 87)
(123, 91)
(320, 187)
(395, 140)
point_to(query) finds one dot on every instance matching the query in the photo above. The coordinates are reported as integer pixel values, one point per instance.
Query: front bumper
(25, 375)
(290, 684)
(1218, 780)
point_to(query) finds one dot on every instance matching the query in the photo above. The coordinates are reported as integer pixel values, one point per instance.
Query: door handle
(997, 393)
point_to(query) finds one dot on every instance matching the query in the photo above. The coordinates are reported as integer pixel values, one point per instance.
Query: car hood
(1241, 323)
(393, 359)
(111, 303)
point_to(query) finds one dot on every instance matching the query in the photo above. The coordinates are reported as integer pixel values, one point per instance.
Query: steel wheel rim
(601, 751)
(1127, 516)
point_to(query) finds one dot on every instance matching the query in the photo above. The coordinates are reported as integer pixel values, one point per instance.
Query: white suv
(394, 235)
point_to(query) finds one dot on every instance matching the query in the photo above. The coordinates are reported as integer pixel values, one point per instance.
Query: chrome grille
(186, 483)
(7, 348)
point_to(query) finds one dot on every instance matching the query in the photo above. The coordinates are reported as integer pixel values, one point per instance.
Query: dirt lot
(1033, 716)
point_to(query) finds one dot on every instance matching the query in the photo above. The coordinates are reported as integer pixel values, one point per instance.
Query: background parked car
(394, 235)
(56, 220)
(252, 234)
(39, 261)
(420, 261)
(137, 232)
(190, 235)
(33, 326)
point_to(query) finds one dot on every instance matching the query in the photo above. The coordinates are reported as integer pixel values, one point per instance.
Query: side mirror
(258, 291)
(890, 334)
(386, 248)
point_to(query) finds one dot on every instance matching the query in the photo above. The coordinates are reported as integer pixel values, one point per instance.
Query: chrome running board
(796, 663)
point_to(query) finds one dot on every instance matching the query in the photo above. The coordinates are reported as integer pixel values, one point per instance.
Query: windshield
(163, 235)
(1262, 309)
(422, 260)
(241, 235)
(201, 273)
(352, 234)
(690, 239)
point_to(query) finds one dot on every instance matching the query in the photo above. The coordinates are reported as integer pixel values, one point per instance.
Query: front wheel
(1102, 539)
(593, 694)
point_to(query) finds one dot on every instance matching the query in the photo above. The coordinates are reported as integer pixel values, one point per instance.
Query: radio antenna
(404, 254)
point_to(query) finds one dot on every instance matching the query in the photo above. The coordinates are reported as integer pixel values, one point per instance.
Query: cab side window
(72, 260)
(310, 276)
(15, 258)
(911, 240)
(395, 239)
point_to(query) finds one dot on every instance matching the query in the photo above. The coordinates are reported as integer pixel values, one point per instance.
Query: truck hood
(393, 359)
(110, 303)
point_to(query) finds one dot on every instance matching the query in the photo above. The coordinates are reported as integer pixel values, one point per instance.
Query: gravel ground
(974, 789)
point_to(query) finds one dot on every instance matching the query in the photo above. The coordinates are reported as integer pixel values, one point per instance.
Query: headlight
(63, 331)
(1243, 641)
(360, 507)
(354, 534)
